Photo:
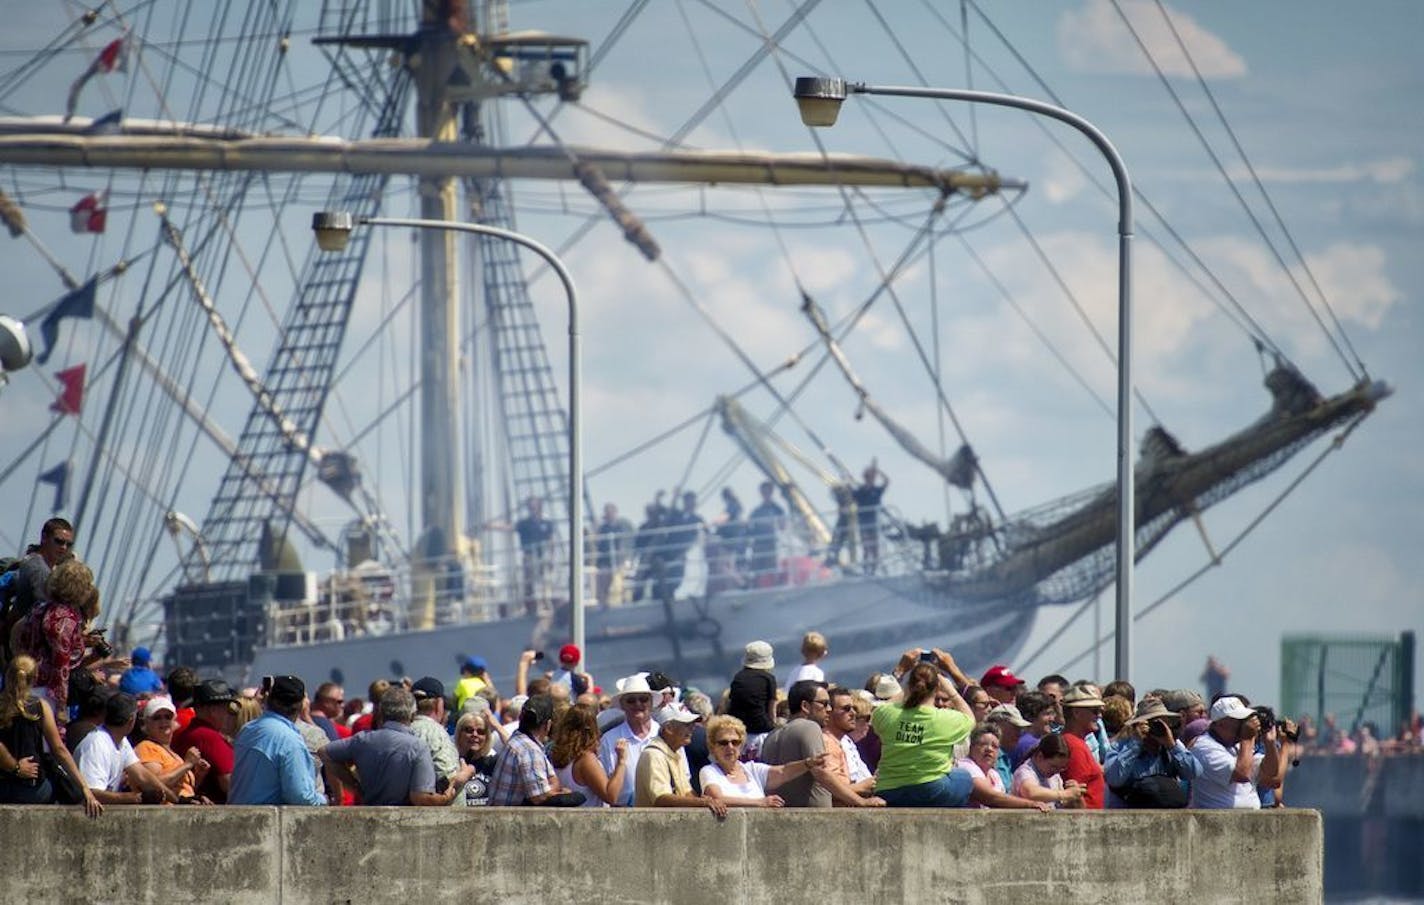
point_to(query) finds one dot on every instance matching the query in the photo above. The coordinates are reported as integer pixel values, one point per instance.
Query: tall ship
(357, 463)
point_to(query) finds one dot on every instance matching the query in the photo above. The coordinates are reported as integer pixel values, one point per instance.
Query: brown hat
(1078, 696)
(1152, 709)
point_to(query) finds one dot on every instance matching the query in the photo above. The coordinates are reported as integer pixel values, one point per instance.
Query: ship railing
(622, 568)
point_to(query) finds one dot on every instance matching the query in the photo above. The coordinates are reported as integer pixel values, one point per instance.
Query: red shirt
(1084, 767)
(59, 652)
(216, 750)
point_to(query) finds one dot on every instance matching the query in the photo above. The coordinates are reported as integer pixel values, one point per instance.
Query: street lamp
(820, 100)
(15, 349)
(333, 229)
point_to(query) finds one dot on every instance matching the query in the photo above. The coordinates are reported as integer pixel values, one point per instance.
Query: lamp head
(15, 350)
(333, 229)
(819, 99)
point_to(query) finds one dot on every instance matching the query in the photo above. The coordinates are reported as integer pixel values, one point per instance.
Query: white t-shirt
(804, 671)
(608, 756)
(102, 762)
(1214, 788)
(754, 787)
(855, 764)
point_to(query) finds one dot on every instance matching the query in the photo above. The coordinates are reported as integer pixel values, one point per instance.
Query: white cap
(672, 713)
(1230, 708)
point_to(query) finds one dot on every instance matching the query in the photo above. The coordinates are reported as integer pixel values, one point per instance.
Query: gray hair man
(392, 765)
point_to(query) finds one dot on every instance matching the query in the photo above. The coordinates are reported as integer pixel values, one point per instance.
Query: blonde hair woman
(748, 785)
(27, 726)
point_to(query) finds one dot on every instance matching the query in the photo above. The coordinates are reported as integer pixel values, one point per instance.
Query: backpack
(1159, 791)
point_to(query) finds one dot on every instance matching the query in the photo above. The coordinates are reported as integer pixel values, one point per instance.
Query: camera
(1266, 716)
(1157, 728)
(927, 656)
(101, 645)
(538, 655)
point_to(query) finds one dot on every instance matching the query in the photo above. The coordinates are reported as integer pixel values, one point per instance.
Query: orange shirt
(155, 755)
(835, 757)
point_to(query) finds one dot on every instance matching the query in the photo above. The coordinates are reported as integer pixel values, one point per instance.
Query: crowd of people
(80, 726)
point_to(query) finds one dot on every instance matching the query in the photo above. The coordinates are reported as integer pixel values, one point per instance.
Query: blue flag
(79, 303)
(59, 477)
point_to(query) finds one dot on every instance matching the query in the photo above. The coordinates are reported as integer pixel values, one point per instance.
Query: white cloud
(1094, 39)
(1351, 274)
(1064, 179)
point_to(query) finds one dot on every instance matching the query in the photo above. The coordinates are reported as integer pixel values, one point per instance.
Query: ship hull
(868, 622)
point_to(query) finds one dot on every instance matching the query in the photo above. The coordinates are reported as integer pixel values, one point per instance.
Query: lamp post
(333, 228)
(820, 99)
(15, 349)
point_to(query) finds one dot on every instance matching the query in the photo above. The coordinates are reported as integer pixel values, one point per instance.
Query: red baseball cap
(569, 653)
(1000, 676)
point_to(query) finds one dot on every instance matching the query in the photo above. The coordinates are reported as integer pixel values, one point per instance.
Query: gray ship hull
(869, 622)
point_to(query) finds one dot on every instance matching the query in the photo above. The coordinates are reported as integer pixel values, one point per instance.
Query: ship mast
(440, 492)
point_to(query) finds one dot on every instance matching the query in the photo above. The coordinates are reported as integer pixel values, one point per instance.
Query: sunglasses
(59, 542)
(728, 741)
(637, 699)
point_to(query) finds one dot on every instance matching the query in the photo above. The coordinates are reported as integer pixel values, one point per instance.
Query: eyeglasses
(734, 742)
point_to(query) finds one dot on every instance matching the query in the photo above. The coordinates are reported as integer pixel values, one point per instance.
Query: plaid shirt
(521, 772)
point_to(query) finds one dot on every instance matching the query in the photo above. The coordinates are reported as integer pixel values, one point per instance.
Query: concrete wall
(425, 856)
(1358, 786)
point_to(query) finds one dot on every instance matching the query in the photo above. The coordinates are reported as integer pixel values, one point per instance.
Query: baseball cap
(158, 704)
(141, 656)
(1000, 676)
(1007, 713)
(569, 653)
(286, 690)
(1230, 708)
(428, 687)
(673, 713)
(474, 664)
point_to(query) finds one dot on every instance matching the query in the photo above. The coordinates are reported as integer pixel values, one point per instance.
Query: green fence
(1358, 679)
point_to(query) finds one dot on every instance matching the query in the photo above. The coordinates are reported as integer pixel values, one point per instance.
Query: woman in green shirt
(917, 739)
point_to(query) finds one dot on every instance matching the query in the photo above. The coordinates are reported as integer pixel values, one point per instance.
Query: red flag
(90, 214)
(114, 56)
(71, 398)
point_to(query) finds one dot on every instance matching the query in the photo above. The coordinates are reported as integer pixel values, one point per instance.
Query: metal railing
(623, 568)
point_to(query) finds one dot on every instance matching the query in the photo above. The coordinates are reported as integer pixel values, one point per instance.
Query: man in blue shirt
(1151, 749)
(271, 762)
(140, 679)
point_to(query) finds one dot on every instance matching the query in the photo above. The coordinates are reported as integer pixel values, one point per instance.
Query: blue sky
(1325, 105)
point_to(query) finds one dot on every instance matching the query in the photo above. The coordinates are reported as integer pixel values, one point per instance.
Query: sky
(1324, 107)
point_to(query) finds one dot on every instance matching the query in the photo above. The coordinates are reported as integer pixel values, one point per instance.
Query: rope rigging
(1231, 184)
